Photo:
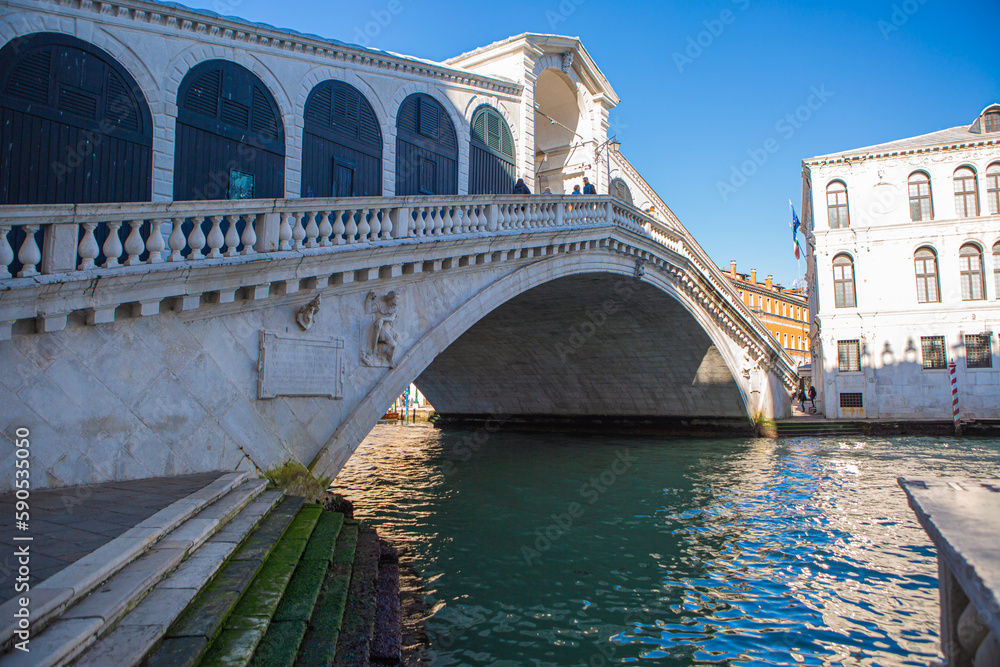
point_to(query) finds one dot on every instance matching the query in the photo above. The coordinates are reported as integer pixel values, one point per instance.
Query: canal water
(539, 549)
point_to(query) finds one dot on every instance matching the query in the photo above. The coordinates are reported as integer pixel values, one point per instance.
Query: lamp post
(610, 145)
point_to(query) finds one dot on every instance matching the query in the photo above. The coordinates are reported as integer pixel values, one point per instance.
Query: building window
(925, 265)
(934, 354)
(970, 260)
(786, 340)
(848, 356)
(852, 400)
(843, 282)
(996, 268)
(977, 351)
(920, 197)
(993, 188)
(836, 205)
(991, 121)
(966, 198)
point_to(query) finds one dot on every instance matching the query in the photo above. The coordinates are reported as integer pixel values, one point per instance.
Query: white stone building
(904, 274)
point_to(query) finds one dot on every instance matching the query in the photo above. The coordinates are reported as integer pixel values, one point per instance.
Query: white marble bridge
(194, 347)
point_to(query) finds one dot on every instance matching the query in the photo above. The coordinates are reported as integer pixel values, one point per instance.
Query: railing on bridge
(69, 238)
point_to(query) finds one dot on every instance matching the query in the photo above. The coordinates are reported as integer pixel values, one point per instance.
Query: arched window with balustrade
(341, 143)
(993, 188)
(619, 190)
(230, 141)
(426, 148)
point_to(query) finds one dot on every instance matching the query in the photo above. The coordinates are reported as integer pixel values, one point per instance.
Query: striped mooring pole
(955, 410)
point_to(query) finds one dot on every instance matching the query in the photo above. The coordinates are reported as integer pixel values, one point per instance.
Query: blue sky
(874, 71)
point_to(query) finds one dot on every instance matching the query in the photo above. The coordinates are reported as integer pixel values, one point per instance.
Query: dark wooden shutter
(426, 148)
(491, 156)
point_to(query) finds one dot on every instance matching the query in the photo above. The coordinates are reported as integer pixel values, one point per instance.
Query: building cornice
(861, 157)
(200, 25)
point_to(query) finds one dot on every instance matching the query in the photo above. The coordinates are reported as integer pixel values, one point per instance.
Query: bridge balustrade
(190, 232)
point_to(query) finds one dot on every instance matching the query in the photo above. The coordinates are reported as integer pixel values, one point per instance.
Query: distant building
(904, 274)
(785, 312)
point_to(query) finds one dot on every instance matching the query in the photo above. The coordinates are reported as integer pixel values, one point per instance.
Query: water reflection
(550, 550)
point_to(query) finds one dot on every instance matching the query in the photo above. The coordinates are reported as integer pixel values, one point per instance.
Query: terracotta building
(785, 312)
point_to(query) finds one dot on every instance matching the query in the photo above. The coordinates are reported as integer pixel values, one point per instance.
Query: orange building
(785, 312)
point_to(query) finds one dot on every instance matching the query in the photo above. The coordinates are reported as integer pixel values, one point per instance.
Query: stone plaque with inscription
(300, 367)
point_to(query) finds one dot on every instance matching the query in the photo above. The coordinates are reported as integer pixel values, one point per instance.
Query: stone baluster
(364, 227)
(338, 227)
(6, 252)
(176, 240)
(500, 218)
(376, 226)
(155, 244)
(434, 224)
(88, 249)
(419, 223)
(312, 229)
(232, 236)
(386, 230)
(250, 233)
(325, 228)
(112, 246)
(298, 231)
(196, 240)
(558, 213)
(285, 232)
(133, 243)
(29, 254)
(481, 221)
(351, 228)
(215, 237)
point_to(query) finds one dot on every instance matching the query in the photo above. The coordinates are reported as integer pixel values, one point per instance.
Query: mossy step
(280, 644)
(190, 635)
(319, 646)
(246, 625)
(354, 644)
(387, 638)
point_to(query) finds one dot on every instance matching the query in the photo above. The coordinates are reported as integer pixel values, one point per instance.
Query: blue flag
(795, 229)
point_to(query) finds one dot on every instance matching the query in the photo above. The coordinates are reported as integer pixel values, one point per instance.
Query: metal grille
(849, 355)
(852, 400)
(933, 352)
(977, 351)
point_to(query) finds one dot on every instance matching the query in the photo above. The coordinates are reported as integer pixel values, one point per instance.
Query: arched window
(925, 267)
(843, 282)
(619, 190)
(996, 268)
(836, 205)
(342, 143)
(966, 197)
(993, 188)
(230, 138)
(491, 155)
(991, 121)
(970, 261)
(921, 207)
(426, 148)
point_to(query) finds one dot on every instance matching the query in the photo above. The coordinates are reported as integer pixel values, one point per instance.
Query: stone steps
(84, 599)
(188, 637)
(140, 630)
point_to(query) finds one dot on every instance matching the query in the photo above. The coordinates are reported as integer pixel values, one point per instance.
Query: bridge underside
(585, 345)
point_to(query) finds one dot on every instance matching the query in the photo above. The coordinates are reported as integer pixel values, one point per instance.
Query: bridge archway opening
(342, 143)
(426, 148)
(584, 346)
(557, 117)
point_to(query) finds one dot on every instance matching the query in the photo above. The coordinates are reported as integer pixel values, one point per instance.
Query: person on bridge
(576, 190)
(588, 187)
(812, 396)
(802, 399)
(520, 188)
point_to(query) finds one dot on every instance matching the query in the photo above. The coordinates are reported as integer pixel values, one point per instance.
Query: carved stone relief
(379, 340)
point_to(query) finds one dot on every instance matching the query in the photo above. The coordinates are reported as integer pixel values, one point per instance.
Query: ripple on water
(540, 550)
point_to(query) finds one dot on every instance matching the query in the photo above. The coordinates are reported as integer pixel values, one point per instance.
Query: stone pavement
(70, 522)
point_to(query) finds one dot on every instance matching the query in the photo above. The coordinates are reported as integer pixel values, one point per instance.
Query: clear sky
(704, 86)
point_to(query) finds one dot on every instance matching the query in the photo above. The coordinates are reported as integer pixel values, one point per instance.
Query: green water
(567, 550)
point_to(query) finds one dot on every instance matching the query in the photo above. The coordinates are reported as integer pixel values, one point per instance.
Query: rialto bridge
(182, 291)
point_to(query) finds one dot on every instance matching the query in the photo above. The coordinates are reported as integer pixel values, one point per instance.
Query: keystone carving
(307, 314)
(640, 268)
(567, 61)
(379, 347)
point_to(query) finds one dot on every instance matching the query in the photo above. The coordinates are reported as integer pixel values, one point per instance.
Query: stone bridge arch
(748, 390)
